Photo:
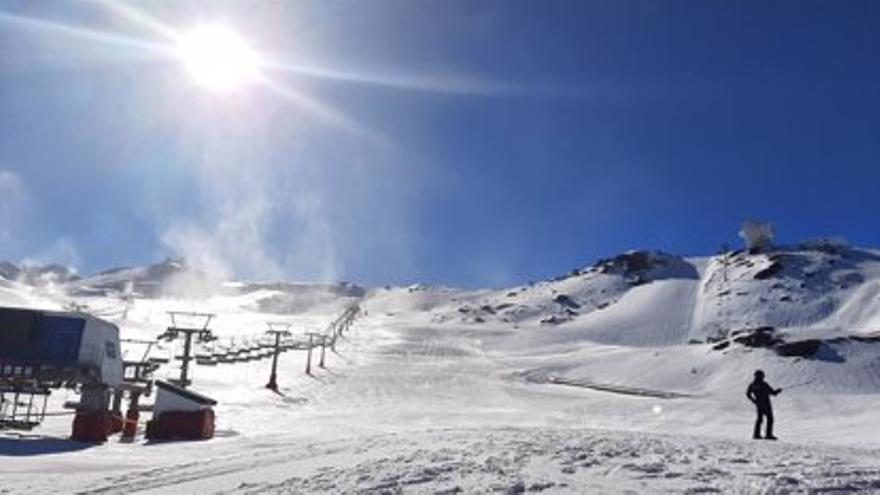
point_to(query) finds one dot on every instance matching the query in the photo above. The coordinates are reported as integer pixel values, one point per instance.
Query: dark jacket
(759, 392)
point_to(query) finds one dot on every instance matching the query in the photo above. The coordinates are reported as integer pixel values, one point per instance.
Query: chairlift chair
(21, 407)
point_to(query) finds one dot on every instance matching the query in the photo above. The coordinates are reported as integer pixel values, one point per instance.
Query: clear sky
(455, 142)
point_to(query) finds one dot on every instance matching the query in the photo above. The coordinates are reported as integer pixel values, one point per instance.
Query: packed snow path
(618, 389)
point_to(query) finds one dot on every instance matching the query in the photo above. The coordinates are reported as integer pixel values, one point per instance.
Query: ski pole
(802, 384)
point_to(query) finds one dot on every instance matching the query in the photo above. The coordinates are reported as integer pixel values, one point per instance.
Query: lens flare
(218, 58)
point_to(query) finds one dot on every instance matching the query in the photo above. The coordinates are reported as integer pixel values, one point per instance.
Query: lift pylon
(199, 330)
(278, 329)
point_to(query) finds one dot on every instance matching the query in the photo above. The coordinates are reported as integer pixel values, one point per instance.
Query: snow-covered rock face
(170, 277)
(645, 266)
(792, 288)
(37, 275)
(173, 278)
(560, 300)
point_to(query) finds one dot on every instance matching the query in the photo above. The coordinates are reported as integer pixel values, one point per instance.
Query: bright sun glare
(218, 58)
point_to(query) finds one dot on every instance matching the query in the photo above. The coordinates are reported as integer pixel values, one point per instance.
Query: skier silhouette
(759, 393)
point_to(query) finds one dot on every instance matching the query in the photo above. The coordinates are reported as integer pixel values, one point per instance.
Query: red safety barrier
(92, 426)
(130, 428)
(197, 425)
(116, 423)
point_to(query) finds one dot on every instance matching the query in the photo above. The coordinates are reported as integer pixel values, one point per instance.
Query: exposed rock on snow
(756, 337)
(566, 302)
(647, 265)
(802, 348)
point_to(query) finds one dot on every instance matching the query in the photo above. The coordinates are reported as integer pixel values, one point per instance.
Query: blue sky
(454, 142)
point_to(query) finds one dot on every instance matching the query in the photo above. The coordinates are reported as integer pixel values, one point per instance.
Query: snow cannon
(44, 350)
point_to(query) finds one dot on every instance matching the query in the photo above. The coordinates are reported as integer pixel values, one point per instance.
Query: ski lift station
(45, 350)
(42, 351)
(41, 348)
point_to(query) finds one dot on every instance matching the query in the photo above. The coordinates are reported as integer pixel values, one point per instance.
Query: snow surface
(440, 390)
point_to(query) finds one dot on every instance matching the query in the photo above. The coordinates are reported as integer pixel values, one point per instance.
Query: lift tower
(201, 332)
(278, 329)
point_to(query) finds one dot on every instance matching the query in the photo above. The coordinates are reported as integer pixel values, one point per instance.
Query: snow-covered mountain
(797, 300)
(814, 300)
(645, 298)
(573, 384)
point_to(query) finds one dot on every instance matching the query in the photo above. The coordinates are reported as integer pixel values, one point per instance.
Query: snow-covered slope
(816, 306)
(638, 298)
(569, 385)
(650, 298)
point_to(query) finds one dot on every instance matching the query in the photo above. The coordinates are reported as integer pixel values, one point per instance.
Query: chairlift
(21, 407)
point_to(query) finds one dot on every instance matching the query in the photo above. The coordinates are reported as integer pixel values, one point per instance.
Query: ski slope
(440, 390)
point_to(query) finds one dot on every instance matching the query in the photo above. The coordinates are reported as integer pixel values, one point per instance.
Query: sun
(218, 58)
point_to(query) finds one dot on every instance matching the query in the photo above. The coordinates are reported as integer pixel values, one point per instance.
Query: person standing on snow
(759, 393)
